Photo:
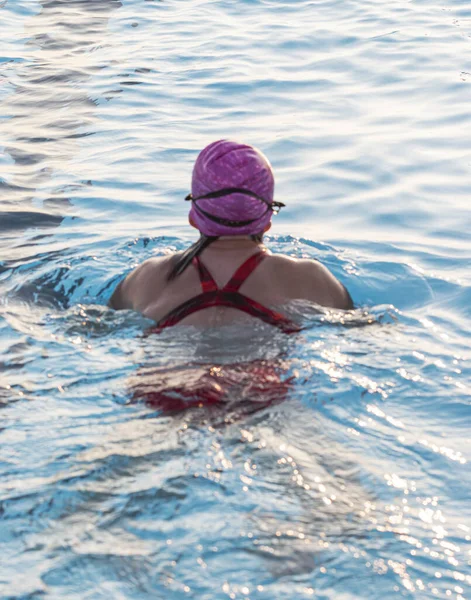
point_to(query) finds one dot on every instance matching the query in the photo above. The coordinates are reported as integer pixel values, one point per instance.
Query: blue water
(357, 482)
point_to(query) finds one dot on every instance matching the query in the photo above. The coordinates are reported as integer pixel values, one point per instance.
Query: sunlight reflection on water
(346, 477)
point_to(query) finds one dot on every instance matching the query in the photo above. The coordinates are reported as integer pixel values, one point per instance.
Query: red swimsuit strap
(244, 271)
(230, 300)
(228, 296)
(207, 282)
(246, 268)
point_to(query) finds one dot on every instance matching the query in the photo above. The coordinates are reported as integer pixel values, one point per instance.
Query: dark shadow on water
(22, 219)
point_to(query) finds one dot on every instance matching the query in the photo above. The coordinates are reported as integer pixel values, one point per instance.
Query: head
(232, 190)
(231, 194)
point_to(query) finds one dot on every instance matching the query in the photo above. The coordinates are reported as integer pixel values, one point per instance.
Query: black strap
(227, 192)
(227, 222)
(273, 206)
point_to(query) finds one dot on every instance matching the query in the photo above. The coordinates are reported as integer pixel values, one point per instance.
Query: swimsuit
(246, 387)
(228, 296)
(256, 385)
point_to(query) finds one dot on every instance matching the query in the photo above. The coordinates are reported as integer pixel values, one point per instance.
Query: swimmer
(228, 271)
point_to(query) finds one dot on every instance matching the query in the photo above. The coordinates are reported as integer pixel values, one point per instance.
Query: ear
(192, 223)
(267, 227)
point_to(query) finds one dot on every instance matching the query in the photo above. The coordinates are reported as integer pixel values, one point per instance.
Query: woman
(228, 273)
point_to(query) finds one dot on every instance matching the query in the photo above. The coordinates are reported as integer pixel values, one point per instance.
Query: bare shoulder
(311, 280)
(148, 276)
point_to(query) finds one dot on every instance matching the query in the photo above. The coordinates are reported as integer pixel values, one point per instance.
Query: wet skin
(278, 280)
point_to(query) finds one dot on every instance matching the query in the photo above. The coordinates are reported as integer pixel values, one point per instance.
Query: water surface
(354, 481)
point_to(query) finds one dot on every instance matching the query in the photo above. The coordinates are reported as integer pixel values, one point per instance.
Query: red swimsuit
(228, 296)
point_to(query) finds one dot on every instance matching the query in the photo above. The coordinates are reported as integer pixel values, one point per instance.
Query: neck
(233, 242)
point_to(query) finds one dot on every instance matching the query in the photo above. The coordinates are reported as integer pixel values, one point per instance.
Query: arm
(142, 284)
(117, 301)
(349, 299)
(323, 288)
(125, 294)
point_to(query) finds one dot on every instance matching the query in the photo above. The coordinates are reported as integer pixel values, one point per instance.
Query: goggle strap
(273, 206)
(226, 222)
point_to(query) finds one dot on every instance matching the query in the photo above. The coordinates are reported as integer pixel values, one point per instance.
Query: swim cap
(231, 190)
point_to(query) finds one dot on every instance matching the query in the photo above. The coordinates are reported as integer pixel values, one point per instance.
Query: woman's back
(274, 282)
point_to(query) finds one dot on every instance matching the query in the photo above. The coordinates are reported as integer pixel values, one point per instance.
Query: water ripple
(348, 474)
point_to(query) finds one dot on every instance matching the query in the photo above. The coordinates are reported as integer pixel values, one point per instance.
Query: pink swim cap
(232, 190)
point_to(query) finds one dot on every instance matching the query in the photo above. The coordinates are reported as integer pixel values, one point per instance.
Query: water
(349, 480)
